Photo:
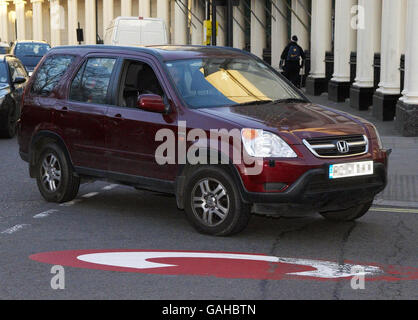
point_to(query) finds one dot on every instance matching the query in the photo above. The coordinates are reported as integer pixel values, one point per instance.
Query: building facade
(364, 50)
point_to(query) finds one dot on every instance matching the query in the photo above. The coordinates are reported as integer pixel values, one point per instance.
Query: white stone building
(379, 37)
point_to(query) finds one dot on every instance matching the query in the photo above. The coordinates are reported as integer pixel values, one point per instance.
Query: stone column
(321, 30)
(126, 8)
(180, 24)
(368, 43)
(4, 22)
(393, 28)
(258, 23)
(108, 14)
(407, 107)
(197, 27)
(239, 27)
(20, 19)
(344, 44)
(54, 6)
(90, 20)
(299, 22)
(72, 8)
(163, 12)
(144, 8)
(37, 20)
(279, 34)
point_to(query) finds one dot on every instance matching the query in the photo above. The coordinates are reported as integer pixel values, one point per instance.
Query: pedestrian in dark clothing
(291, 58)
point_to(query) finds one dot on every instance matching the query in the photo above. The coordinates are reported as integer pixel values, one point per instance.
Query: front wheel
(55, 177)
(10, 125)
(213, 204)
(348, 214)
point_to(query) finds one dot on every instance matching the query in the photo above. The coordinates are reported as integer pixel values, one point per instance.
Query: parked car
(4, 48)
(30, 52)
(98, 112)
(136, 31)
(13, 79)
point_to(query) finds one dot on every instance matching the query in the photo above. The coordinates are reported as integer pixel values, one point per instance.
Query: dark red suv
(218, 128)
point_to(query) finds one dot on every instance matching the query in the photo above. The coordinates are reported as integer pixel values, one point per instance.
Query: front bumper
(315, 191)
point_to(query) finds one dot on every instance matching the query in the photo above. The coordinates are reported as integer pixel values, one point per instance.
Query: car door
(82, 115)
(17, 71)
(131, 132)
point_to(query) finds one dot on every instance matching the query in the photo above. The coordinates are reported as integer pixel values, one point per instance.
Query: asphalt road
(110, 216)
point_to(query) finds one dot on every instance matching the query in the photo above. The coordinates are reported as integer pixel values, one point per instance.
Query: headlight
(263, 144)
(379, 140)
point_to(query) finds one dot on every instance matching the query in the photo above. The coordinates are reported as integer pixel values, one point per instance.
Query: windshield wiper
(251, 103)
(290, 100)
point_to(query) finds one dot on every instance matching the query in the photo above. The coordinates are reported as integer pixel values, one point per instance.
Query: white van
(136, 31)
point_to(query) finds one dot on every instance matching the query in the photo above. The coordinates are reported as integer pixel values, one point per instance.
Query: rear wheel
(348, 214)
(213, 204)
(54, 175)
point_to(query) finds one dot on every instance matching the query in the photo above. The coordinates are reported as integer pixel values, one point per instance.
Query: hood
(303, 120)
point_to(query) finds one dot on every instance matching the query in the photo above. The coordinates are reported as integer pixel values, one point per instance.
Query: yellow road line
(398, 210)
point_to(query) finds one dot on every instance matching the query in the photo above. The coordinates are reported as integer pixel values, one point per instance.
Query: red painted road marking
(220, 264)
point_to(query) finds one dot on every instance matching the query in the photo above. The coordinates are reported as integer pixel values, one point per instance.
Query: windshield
(3, 72)
(32, 49)
(215, 82)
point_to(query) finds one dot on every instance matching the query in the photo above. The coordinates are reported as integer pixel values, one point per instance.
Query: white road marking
(110, 187)
(397, 210)
(70, 203)
(15, 228)
(44, 214)
(138, 260)
(90, 195)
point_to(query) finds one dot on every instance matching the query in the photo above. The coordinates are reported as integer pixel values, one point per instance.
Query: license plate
(353, 169)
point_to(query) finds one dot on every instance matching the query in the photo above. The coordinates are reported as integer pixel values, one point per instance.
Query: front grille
(338, 146)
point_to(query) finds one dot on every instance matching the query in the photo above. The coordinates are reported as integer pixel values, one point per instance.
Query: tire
(54, 175)
(213, 204)
(10, 126)
(348, 214)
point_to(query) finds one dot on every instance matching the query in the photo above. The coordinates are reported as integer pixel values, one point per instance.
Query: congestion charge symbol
(230, 265)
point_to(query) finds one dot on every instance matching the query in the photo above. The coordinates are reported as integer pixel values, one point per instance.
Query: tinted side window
(17, 69)
(92, 81)
(50, 73)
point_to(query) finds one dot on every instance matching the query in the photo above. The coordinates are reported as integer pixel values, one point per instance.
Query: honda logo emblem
(343, 147)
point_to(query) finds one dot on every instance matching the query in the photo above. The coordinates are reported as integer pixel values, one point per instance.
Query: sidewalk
(402, 189)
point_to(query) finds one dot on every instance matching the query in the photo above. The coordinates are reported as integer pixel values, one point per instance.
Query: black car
(30, 52)
(13, 79)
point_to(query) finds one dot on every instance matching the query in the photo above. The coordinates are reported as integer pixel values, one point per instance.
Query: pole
(229, 24)
(213, 22)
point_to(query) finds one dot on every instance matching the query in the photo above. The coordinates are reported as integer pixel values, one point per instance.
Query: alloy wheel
(51, 172)
(210, 202)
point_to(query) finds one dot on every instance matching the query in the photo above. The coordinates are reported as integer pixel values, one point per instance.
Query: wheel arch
(41, 139)
(185, 170)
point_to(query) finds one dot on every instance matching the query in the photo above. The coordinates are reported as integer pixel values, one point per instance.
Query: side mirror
(152, 103)
(19, 80)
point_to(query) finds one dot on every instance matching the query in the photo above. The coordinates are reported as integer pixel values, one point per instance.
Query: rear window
(50, 74)
(32, 49)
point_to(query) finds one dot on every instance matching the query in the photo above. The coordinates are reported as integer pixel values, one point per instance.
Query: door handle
(118, 115)
(64, 109)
